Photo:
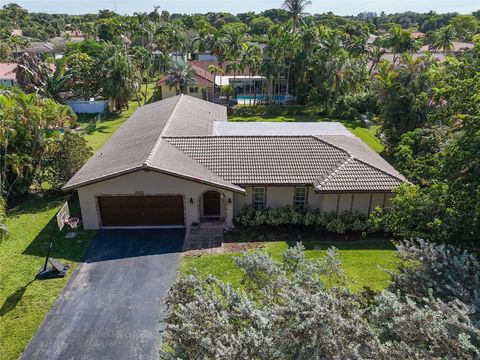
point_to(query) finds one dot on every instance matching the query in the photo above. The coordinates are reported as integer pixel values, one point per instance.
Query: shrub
(443, 271)
(300, 309)
(292, 216)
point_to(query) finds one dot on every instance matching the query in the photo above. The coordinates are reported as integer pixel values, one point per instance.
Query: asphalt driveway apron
(112, 306)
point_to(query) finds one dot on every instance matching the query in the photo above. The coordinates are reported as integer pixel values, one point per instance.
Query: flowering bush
(292, 216)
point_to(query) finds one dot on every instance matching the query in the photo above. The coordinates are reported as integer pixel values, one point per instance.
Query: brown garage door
(141, 210)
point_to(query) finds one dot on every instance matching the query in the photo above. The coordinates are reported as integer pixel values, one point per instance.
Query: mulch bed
(226, 248)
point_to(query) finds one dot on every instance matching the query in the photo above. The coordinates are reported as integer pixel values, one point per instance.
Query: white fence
(87, 107)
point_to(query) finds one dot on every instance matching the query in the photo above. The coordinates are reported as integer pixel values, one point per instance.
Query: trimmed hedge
(293, 216)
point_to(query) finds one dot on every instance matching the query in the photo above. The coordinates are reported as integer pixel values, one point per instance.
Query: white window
(258, 197)
(300, 197)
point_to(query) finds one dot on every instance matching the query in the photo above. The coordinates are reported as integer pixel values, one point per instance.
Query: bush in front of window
(294, 216)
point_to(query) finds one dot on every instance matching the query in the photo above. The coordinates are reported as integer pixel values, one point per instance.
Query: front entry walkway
(112, 307)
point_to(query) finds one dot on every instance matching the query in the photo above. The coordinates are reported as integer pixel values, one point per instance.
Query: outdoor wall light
(191, 201)
(229, 200)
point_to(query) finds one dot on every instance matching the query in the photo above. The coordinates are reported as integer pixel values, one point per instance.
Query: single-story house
(202, 89)
(8, 77)
(178, 161)
(38, 48)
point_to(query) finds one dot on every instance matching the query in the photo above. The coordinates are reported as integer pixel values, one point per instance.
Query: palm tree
(250, 58)
(180, 77)
(120, 80)
(176, 39)
(296, 8)
(214, 70)
(444, 39)
(375, 56)
(399, 41)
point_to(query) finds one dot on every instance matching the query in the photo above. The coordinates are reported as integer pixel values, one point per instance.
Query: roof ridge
(160, 137)
(377, 168)
(361, 160)
(333, 173)
(250, 136)
(231, 185)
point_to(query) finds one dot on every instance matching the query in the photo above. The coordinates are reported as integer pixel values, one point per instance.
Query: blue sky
(340, 7)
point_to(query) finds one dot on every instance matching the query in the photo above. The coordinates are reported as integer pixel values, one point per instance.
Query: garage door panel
(141, 210)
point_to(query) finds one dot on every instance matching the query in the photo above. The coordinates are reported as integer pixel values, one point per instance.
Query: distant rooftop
(278, 129)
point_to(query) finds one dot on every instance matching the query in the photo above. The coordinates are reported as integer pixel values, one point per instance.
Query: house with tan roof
(178, 161)
(202, 89)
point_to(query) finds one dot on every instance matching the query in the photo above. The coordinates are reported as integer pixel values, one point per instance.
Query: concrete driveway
(112, 306)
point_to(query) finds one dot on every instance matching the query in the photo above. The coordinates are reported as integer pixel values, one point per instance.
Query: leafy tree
(260, 25)
(84, 75)
(26, 121)
(66, 156)
(420, 154)
(428, 212)
(465, 26)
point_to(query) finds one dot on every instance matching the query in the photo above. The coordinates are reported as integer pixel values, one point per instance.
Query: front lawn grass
(297, 113)
(24, 301)
(363, 261)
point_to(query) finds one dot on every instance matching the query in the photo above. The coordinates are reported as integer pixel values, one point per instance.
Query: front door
(211, 204)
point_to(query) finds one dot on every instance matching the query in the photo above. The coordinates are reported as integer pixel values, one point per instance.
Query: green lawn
(299, 114)
(24, 301)
(362, 260)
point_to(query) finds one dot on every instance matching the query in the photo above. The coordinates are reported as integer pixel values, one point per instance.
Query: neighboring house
(203, 88)
(246, 85)
(74, 35)
(178, 161)
(39, 48)
(437, 54)
(7, 73)
(416, 35)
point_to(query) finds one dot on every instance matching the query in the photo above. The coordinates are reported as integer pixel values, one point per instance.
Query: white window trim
(305, 203)
(264, 197)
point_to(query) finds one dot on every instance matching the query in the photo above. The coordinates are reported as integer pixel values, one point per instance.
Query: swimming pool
(246, 99)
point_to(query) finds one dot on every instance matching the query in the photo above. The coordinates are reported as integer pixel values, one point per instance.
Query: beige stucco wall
(283, 196)
(167, 92)
(150, 183)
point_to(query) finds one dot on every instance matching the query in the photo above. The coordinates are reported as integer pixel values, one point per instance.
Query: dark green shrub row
(292, 216)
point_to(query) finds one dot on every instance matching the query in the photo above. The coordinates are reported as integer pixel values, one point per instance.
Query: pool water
(246, 99)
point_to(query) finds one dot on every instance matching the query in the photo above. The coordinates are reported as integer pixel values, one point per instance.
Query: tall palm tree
(444, 39)
(250, 59)
(296, 8)
(180, 77)
(120, 80)
(214, 70)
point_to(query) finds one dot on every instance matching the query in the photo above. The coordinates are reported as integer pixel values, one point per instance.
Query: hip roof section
(177, 136)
